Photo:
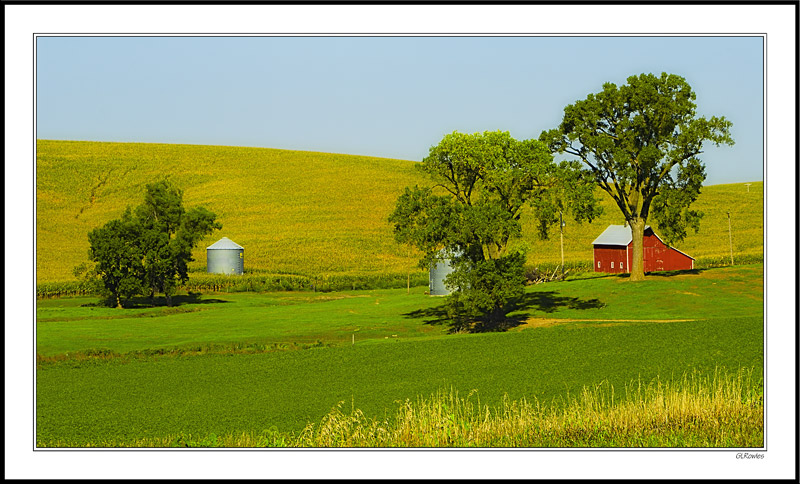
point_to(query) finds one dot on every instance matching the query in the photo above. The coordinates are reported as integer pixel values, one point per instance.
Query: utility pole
(730, 236)
(561, 229)
(408, 280)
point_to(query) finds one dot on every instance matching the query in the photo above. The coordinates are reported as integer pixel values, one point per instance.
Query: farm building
(225, 257)
(613, 250)
(439, 270)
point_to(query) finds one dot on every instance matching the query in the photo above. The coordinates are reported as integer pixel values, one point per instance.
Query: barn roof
(682, 252)
(225, 243)
(621, 235)
(616, 235)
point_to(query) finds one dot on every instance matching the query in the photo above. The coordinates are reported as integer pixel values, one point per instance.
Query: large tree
(641, 143)
(116, 250)
(168, 234)
(149, 249)
(482, 182)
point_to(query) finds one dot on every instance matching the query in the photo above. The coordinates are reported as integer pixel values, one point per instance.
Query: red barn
(613, 250)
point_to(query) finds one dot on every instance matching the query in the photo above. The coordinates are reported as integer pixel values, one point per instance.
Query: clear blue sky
(391, 97)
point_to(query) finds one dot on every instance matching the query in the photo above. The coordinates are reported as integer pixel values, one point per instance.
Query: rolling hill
(298, 212)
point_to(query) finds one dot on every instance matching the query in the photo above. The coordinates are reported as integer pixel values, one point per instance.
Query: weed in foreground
(698, 411)
(716, 410)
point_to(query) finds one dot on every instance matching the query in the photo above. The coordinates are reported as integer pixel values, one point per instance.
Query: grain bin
(440, 268)
(225, 257)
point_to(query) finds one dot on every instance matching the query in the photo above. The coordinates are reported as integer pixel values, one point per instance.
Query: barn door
(659, 254)
(662, 257)
(654, 258)
(649, 257)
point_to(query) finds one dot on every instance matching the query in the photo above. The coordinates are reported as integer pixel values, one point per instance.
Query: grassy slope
(122, 400)
(721, 410)
(293, 211)
(65, 324)
(298, 212)
(285, 317)
(223, 394)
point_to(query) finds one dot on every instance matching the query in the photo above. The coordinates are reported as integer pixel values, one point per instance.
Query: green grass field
(80, 324)
(723, 410)
(223, 395)
(300, 212)
(569, 335)
(241, 360)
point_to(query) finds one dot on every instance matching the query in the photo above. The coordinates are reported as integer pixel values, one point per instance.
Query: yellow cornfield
(292, 211)
(298, 212)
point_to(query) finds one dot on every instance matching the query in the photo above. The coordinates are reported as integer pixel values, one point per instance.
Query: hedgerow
(205, 283)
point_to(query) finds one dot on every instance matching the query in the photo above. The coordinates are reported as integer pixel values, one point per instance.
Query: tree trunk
(495, 316)
(637, 258)
(119, 303)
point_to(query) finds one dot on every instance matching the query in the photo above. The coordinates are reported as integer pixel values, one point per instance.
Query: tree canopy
(641, 144)
(149, 249)
(482, 181)
(116, 250)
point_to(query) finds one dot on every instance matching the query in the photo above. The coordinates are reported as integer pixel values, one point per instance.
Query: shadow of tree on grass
(626, 275)
(518, 313)
(433, 316)
(674, 273)
(551, 301)
(177, 300)
(140, 302)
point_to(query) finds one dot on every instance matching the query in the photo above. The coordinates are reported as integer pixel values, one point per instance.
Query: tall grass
(698, 410)
(720, 410)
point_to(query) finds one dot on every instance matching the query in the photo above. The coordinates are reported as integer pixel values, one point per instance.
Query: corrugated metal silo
(439, 270)
(225, 257)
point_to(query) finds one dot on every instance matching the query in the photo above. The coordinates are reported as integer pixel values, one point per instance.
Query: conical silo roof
(225, 243)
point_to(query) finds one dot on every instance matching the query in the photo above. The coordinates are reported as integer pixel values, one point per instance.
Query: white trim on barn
(628, 257)
(673, 248)
(621, 235)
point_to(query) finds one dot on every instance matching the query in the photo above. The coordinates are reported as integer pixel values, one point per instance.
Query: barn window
(621, 265)
(598, 264)
(612, 265)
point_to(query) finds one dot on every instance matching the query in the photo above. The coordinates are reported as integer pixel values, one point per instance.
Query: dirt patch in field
(549, 322)
(126, 315)
(322, 298)
(748, 274)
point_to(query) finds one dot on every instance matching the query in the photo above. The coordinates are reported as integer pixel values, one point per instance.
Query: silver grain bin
(225, 257)
(439, 270)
